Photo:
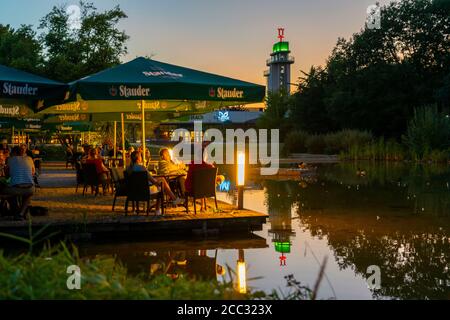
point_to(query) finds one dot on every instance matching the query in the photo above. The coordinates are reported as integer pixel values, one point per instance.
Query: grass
(46, 275)
(361, 145)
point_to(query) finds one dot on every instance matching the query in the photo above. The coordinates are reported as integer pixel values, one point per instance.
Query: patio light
(240, 181)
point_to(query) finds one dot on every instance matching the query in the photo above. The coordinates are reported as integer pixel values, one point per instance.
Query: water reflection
(280, 201)
(394, 216)
(195, 259)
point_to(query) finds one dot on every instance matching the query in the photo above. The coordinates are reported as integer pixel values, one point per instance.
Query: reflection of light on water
(242, 281)
(241, 273)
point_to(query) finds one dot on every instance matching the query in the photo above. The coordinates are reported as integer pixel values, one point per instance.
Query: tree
(308, 110)
(276, 113)
(19, 48)
(72, 53)
(374, 80)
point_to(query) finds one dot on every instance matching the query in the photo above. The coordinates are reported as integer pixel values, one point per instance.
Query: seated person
(21, 171)
(4, 145)
(37, 159)
(102, 171)
(85, 154)
(2, 164)
(192, 167)
(26, 151)
(166, 166)
(137, 166)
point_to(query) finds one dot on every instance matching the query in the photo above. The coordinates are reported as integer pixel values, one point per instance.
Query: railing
(275, 59)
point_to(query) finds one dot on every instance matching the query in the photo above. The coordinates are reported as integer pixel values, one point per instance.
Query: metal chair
(203, 186)
(137, 186)
(90, 178)
(79, 175)
(118, 179)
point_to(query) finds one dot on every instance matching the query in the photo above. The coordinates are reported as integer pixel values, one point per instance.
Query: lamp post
(143, 132)
(240, 178)
(115, 140)
(124, 152)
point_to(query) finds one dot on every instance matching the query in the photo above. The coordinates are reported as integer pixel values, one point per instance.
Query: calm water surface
(396, 217)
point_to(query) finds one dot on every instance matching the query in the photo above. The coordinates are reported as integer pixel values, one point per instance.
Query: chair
(5, 205)
(138, 190)
(79, 173)
(90, 178)
(118, 179)
(203, 186)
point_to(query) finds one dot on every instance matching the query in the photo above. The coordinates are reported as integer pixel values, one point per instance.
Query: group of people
(17, 178)
(167, 167)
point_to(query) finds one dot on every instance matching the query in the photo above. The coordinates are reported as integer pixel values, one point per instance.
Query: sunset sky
(232, 37)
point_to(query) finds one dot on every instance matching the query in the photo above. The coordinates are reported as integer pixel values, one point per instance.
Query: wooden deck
(74, 215)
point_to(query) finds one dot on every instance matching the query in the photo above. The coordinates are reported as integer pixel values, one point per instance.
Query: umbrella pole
(124, 152)
(115, 139)
(143, 132)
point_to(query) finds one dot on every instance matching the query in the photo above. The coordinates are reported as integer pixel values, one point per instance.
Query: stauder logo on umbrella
(127, 92)
(9, 110)
(15, 90)
(230, 94)
(113, 91)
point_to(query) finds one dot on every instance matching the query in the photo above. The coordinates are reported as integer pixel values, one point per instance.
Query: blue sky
(232, 37)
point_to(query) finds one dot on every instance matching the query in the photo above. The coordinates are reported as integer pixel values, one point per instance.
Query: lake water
(395, 218)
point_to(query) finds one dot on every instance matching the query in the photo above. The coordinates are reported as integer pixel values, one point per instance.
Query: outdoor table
(112, 162)
(168, 176)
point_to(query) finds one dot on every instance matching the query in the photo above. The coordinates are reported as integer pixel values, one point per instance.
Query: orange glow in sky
(232, 38)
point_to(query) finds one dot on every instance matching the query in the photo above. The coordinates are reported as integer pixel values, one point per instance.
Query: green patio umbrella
(68, 128)
(24, 123)
(158, 87)
(23, 93)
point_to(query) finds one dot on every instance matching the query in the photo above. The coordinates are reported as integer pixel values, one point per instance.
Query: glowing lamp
(241, 168)
(240, 181)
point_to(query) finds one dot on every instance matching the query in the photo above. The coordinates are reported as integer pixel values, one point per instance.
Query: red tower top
(281, 34)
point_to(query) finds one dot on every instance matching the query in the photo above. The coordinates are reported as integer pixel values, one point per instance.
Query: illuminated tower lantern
(279, 73)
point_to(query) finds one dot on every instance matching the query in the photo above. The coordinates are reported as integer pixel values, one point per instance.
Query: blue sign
(223, 116)
(225, 186)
